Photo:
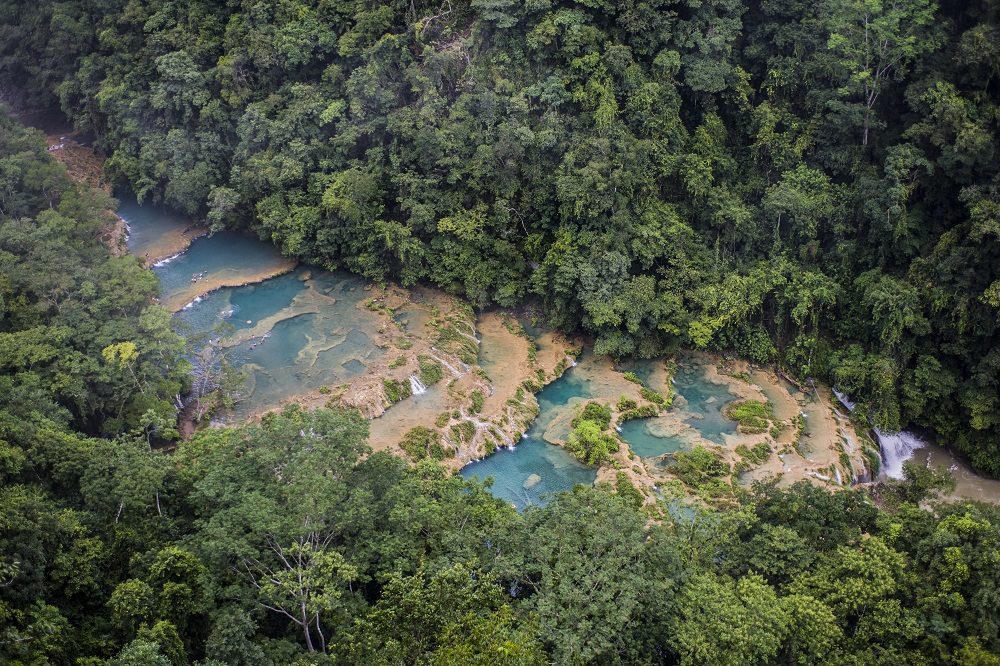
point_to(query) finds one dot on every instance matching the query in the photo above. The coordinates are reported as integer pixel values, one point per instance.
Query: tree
(304, 582)
(874, 42)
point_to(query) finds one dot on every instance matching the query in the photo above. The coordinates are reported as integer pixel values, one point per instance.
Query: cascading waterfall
(416, 386)
(844, 400)
(896, 447)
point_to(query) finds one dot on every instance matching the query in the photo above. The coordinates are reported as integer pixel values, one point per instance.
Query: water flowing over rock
(897, 448)
(844, 400)
(416, 386)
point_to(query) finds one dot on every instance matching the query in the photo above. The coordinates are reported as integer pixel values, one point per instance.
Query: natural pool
(292, 333)
(698, 402)
(534, 469)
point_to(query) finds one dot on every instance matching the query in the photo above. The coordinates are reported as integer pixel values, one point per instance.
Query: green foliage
(654, 397)
(751, 415)
(808, 183)
(478, 399)
(752, 457)
(641, 412)
(698, 467)
(396, 390)
(627, 491)
(398, 362)
(420, 443)
(625, 403)
(430, 370)
(589, 442)
(463, 431)
(596, 412)
(812, 185)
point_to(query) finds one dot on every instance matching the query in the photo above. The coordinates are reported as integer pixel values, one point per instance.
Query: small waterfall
(844, 400)
(416, 386)
(897, 448)
(167, 260)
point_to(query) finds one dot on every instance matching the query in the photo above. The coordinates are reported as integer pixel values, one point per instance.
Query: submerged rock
(532, 481)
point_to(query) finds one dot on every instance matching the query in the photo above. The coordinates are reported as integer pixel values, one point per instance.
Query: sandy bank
(181, 298)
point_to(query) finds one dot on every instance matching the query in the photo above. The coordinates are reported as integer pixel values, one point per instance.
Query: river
(300, 332)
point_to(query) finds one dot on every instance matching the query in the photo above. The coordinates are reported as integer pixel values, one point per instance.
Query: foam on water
(897, 448)
(416, 386)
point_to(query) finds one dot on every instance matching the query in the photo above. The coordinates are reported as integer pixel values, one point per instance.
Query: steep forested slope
(289, 542)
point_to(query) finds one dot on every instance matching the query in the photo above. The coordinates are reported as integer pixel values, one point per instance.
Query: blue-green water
(648, 445)
(148, 224)
(295, 333)
(705, 403)
(226, 255)
(535, 469)
(702, 402)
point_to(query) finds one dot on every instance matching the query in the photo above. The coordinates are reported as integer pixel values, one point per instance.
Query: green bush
(596, 412)
(477, 401)
(420, 443)
(632, 377)
(627, 491)
(751, 458)
(698, 466)
(430, 370)
(654, 397)
(588, 442)
(397, 362)
(642, 412)
(532, 385)
(463, 431)
(625, 403)
(396, 390)
(753, 416)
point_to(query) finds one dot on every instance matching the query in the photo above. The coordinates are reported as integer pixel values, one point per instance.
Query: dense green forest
(289, 542)
(809, 182)
(812, 183)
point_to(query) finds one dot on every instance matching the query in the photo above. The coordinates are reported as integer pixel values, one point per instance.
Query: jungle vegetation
(813, 183)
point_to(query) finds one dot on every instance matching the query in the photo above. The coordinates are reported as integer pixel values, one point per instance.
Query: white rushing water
(844, 400)
(163, 262)
(416, 386)
(896, 447)
(193, 303)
